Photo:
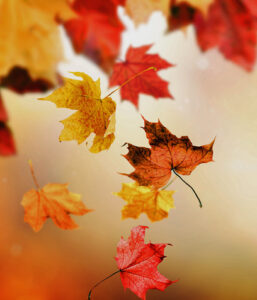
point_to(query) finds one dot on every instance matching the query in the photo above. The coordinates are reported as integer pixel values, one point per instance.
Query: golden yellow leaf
(30, 37)
(202, 5)
(52, 201)
(142, 199)
(94, 115)
(140, 10)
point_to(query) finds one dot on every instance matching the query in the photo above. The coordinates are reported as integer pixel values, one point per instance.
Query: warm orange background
(214, 253)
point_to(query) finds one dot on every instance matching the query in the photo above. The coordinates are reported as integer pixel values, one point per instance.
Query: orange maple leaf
(153, 166)
(52, 201)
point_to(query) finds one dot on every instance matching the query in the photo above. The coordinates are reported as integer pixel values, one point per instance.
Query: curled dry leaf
(30, 37)
(142, 199)
(53, 201)
(138, 263)
(153, 166)
(94, 115)
(137, 60)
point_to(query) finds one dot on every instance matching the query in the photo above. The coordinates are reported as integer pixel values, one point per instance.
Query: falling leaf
(7, 146)
(141, 10)
(142, 199)
(153, 166)
(93, 115)
(30, 37)
(53, 201)
(138, 263)
(202, 5)
(96, 31)
(231, 27)
(137, 60)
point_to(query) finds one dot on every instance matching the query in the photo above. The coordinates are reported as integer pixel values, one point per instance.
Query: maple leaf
(167, 153)
(94, 115)
(30, 38)
(137, 60)
(142, 199)
(52, 201)
(231, 27)
(96, 32)
(138, 263)
(7, 146)
(140, 10)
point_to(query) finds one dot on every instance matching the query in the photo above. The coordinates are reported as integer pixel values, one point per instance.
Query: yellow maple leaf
(142, 199)
(202, 5)
(94, 115)
(30, 37)
(52, 201)
(140, 10)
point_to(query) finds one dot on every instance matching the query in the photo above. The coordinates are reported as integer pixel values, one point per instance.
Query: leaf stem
(90, 292)
(131, 78)
(33, 175)
(200, 203)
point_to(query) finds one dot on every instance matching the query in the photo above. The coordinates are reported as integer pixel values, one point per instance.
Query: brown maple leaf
(153, 166)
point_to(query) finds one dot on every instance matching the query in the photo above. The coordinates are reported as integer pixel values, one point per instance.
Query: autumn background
(214, 248)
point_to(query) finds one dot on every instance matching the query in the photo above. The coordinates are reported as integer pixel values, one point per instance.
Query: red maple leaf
(230, 26)
(153, 166)
(137, 60)
(138, 263)
(7, 146)
(96, 31)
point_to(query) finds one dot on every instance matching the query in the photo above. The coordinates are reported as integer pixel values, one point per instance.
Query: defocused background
(214, 248)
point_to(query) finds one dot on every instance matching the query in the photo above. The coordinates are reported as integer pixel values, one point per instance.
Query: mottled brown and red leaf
(153, 166)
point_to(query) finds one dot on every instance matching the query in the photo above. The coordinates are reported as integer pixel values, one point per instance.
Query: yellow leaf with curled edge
(142, 199)
(93, 115)
(202, 5)
(53, 201)
(30, 37)
(140, 10)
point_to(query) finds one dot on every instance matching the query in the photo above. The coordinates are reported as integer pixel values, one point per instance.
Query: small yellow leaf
(142, 199)
(93, 115)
